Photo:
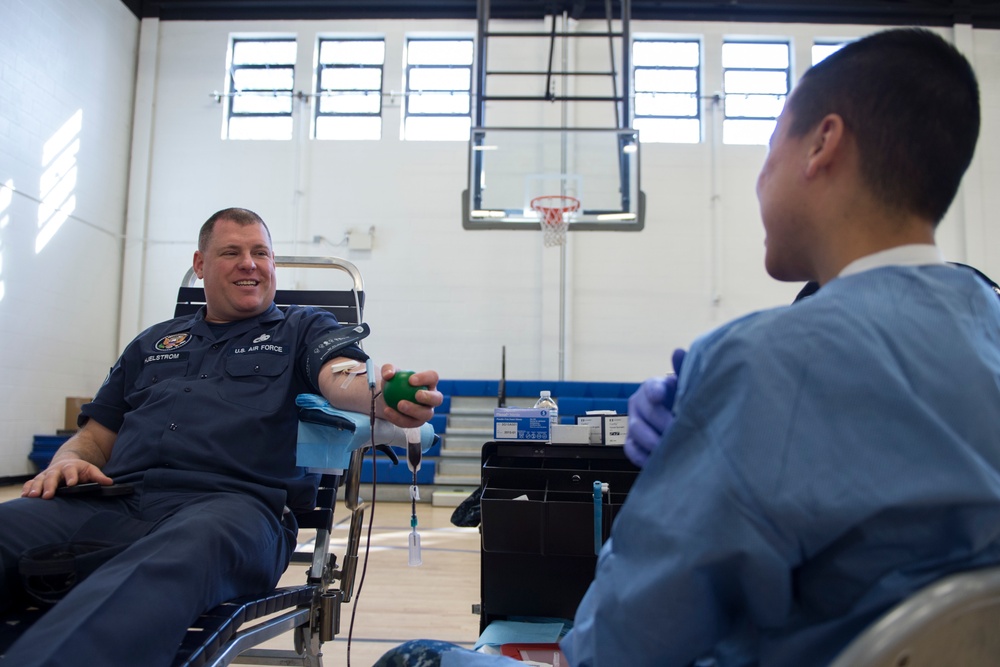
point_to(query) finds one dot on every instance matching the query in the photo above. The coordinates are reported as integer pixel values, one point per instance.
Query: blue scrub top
(827, 459)
(194, 400)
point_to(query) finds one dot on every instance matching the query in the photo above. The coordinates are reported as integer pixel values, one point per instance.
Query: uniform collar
(917, 254)
(202, 328)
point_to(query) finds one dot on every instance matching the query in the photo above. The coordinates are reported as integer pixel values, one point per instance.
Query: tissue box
(521, 424)
(573, 434)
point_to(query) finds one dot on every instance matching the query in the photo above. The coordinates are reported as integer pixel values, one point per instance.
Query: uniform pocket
(156, 372)
(253, 380)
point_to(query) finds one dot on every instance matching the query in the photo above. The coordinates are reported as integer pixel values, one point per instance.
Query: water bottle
(545, 401)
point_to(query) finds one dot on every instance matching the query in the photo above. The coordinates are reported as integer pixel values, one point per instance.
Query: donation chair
(311, 611)
(232, 631)
(954, 622)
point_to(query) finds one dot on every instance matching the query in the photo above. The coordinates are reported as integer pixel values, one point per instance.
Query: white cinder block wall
(440, 296)
(450, 299)
(67, 72)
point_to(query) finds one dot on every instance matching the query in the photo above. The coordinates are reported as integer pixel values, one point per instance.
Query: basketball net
(553, 210)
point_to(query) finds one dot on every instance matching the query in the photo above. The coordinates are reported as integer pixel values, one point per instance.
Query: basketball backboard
(509, 167)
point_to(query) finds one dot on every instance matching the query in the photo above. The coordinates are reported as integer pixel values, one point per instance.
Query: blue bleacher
(574, 397)
(570, 406)
(387, 473)
(44, 448)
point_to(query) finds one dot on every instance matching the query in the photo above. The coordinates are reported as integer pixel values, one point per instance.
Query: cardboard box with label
(606, 427)
(73, 406)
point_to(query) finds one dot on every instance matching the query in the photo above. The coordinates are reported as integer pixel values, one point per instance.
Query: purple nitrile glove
(650, 413)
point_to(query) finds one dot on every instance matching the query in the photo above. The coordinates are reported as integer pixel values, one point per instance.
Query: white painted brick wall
(59, 313)
(440, 296)
(447, 298)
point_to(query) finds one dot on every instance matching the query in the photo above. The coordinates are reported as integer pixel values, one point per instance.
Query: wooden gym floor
(397, 602)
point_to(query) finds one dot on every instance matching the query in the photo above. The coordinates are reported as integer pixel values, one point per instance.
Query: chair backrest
(954, 622)
(347, 305)
(312, 610)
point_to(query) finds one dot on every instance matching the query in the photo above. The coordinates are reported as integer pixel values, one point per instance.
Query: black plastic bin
(538, 551)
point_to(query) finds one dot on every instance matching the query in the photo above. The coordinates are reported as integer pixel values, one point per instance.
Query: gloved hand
(650, 413)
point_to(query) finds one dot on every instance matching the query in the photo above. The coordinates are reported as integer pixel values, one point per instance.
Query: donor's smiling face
(237, 267)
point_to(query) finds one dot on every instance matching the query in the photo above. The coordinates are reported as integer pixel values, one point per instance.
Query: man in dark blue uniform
(199, 414)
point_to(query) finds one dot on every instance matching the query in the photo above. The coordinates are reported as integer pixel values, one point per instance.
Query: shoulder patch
(173, 341)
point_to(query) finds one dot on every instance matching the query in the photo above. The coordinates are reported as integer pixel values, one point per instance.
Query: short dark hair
(911, 101)
(240, 216)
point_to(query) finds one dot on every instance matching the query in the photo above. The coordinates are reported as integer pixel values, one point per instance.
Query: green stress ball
(399, 389)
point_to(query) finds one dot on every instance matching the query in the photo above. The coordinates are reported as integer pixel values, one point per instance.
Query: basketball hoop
(553, 209)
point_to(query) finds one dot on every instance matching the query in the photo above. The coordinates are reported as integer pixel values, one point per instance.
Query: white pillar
(137, 207)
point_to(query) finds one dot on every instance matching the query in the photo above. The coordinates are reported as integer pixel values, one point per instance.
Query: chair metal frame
(231, 632)
(954, 622)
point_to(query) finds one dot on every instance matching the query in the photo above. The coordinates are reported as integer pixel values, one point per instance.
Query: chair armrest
(328, 436)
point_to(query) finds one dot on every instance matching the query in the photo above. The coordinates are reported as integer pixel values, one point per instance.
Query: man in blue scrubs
(829, 458)
(819, 462)
(199, 414)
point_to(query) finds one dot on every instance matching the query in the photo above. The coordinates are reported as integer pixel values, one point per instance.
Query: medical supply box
(605, 429)
(521, 424)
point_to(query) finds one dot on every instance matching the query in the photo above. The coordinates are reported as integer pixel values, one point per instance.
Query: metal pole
(563, 165)
(626, 64)
(715, 202)
(483, 16)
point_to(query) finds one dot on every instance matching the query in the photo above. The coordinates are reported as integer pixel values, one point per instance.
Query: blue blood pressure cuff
(331, 345)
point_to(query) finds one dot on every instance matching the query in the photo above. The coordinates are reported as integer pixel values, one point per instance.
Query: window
(821, 50)
(438, 89)
(261, 77)
(756, 78)
(349, 89)
(667, 76)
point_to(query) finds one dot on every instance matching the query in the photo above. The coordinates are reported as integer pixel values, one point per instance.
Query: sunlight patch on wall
(6, 195)
(58, 182)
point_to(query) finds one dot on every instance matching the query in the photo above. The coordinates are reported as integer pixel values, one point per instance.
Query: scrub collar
(917, 254)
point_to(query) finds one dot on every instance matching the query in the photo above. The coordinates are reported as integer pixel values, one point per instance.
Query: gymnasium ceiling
(980, 13)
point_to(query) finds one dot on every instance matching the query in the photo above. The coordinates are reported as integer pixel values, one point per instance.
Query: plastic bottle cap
(545, 393)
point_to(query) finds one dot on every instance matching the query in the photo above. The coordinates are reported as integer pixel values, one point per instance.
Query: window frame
(826, 42)
(787, 70)
(233, 92)
(410, 93)
(321, 92)
(698, 116)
